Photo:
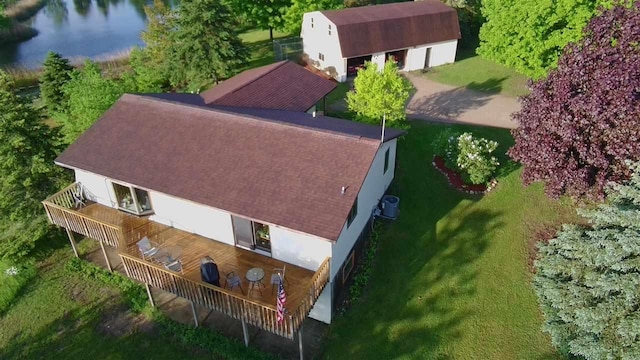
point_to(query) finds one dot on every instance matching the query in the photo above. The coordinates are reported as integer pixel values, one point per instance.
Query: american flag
(281, 301)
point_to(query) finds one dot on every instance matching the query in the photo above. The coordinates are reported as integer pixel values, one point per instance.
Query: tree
(56, 71)
(28, 148)
(151, 64)
(580, 124)
(206, 46)
(587, 279)
(293, 16)
(379, 93)
(265, 14)
(90, 95)
(530, 35)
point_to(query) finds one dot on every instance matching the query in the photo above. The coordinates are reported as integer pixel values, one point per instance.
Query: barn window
(353, 213)
(329, 29)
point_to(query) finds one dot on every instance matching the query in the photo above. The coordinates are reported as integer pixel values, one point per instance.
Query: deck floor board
(193, 247)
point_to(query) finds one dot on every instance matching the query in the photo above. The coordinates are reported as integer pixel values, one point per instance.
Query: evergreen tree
(379, 93)
(151, 65)
(56, 72)
(206, 46)
(588, 278)
(28, 148)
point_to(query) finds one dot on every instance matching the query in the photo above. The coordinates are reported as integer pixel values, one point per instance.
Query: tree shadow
(420, 291)
(449, 105)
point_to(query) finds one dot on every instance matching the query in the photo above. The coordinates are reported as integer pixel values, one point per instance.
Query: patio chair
(277, 277)
(78, 197)
(174, 266)
(233, 280)
(147, 248)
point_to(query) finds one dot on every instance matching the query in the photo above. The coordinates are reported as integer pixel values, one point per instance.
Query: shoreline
(17, 13)
(29, 77)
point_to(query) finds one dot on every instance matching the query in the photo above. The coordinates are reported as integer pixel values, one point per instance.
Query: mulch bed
(455, 179)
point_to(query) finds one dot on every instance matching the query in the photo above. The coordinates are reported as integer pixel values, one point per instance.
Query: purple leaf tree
(579, 125)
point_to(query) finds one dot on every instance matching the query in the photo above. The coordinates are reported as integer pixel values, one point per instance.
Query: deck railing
(225, 301)
(60, 208)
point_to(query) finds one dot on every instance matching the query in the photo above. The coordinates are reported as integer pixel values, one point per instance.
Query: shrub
(474, 158)
(446, 146)
(468, 155)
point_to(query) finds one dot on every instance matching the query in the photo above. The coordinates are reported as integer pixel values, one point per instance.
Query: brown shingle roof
(378, 28)
(287, 172)
(297, 89)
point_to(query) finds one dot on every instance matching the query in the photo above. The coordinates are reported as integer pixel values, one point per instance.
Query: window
(329, 29)
(312, 23)
(321, 56)
(348, 267)
(353, 213)
(386, 161)
(132, 199)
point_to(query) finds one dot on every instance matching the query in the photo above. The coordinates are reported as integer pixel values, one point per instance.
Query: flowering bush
(474, 158)
(468, 155)
(446, 146)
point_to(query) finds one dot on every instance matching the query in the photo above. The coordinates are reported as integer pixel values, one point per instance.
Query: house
(417, 35)
(254, 188)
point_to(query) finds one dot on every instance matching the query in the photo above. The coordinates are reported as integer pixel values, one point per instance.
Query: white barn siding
(442, 53)
(316, 40)
(192, 217)
(97, 188)
(378, 59)
(372, 191)
(415, 58)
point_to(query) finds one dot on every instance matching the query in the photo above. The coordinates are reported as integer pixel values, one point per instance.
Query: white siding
(415, 58)
(97, 188)
(308, 252)
(299, 249)
(370, 194)
(316, 40)
(321, 310)
(442, 53)
(378, 59)
(192, 217)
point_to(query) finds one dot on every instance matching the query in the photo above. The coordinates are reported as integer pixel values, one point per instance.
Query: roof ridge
(255, 118)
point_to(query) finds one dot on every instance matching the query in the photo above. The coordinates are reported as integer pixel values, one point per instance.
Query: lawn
(451, 277)
(477, 73)
(63, 315)
(260, 47)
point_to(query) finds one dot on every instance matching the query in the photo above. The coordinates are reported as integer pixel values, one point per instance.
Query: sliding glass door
(131, 199)
(251, 234)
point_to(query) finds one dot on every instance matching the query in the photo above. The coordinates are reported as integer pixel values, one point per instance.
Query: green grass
(261, 47)
(254, 36)
(338, 94)
(477, 73)
(451, 277)
(11, 285)
(62, 314)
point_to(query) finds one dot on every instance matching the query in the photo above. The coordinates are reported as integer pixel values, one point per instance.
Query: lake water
(80, 28)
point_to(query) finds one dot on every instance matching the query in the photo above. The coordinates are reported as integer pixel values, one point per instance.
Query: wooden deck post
(106, 258)
(245, 332)
(195, 314)
(150, 296)
(300, 343)
(73, 241)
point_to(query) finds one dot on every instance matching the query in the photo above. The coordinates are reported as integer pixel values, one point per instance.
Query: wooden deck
(258, 307)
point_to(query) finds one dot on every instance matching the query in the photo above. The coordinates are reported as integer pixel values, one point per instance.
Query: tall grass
(12, 280)
(112, 63)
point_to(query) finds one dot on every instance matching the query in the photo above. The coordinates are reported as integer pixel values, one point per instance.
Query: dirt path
(433, 101)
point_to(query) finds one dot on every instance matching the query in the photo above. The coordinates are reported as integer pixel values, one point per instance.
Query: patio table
(255, 276)
(168, 254)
